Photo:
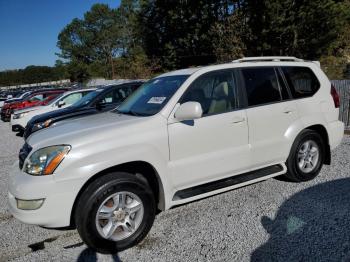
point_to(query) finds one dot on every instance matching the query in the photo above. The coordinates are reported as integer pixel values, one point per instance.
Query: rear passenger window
(262, 85)
(302, 81)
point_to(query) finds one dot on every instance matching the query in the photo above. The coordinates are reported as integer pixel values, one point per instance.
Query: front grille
(23, 153)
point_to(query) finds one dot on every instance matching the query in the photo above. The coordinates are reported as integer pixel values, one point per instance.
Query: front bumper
(59, 198)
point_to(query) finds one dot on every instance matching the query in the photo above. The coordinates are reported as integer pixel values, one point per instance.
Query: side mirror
(61, 103)
(189, 111)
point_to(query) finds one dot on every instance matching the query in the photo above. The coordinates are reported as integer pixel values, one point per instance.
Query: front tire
(306, 157)
(115, 212)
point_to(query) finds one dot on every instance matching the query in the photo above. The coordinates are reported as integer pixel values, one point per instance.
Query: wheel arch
(322, 131)
(141, 169)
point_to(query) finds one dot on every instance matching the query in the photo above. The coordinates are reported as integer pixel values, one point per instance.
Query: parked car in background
(35, 98)
(19, 96)
(101, 100)
(21, 117)
(182, 136)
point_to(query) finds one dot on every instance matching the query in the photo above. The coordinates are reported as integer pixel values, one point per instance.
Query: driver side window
(108, 98)
(216, 92)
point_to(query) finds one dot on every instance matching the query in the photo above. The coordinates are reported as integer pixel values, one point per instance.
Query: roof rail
(268, 58)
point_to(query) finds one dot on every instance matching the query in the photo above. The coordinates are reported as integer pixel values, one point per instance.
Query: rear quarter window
(301, 81)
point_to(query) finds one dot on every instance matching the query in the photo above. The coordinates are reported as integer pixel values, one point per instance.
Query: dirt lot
(272, 220)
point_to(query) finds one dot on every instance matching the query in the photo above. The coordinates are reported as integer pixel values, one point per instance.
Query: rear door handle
(237, 120)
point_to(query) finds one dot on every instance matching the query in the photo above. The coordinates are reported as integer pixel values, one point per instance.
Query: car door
(270, 111)
(216, 145)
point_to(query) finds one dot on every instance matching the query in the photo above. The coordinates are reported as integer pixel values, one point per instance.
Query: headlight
(18, 116)
(44, 161)
(41, 125)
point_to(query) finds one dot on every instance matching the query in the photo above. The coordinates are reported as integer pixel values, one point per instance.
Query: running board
(227, 182)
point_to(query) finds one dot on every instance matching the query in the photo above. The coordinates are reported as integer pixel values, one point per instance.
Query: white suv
(182, 136)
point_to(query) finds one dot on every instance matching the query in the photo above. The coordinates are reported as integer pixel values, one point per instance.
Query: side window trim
(242, 88)
(278, 84)
(280, 75)
(280, 71)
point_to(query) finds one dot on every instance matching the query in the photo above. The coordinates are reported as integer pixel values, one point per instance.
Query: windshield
(56, 99)
(88, 98)
(152, 96)
(46, 100)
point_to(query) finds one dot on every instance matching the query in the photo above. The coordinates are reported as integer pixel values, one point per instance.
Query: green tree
(177, 32)
(93, 38)
(227, 37)
(32, 74)
(300, 28)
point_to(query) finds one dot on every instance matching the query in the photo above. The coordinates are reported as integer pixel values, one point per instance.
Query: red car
(37, 98)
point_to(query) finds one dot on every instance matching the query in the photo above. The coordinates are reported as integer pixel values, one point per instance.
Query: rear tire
(115, 212)
(306, 157)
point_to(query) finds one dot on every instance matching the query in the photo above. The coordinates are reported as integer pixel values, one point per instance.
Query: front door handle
(237, 120)
(288, 111)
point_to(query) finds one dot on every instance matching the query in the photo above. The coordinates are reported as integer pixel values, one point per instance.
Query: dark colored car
(34, 98)
(101, 100)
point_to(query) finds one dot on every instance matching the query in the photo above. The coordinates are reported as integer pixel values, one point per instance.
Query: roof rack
(269, 58)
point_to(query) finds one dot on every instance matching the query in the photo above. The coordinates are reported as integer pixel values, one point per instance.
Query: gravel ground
(269, 221)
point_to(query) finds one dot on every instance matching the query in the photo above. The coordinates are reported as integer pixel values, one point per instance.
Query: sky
(29, 29)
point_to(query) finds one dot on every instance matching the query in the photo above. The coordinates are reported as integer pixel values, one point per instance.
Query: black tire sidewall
(86, 213)
(294, 172)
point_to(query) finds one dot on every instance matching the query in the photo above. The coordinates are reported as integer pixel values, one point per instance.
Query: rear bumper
(335, 133)
(6, 115)
(5, 118)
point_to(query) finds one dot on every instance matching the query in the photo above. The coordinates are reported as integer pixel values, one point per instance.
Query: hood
(56, 113)
(83, 130)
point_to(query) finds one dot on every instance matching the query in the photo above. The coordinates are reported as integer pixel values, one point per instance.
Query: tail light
(335, 96)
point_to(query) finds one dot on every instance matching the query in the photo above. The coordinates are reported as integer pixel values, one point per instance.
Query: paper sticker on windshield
(156, 100)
